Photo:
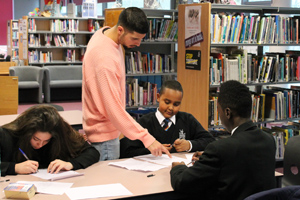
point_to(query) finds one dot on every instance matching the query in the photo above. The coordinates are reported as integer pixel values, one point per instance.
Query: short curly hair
(134, 19)
(237, 97)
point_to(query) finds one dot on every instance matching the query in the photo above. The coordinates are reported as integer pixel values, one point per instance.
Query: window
(257, 2)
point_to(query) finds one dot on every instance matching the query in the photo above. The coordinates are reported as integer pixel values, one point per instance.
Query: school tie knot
(166, 124)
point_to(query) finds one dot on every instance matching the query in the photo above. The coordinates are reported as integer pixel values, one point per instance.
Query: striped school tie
(166, 124)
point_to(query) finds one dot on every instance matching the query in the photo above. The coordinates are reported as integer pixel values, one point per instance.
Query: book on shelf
(273, 29)
(278, 136)
(140, 93)
(146, 63)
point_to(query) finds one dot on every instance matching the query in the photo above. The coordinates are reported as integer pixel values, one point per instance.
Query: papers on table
(133, 164)
(162, 160)
(43, 174)
(97, 191)
(50, 187)
(148, 162)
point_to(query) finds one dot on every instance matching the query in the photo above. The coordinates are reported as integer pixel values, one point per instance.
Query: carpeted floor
(73, 105)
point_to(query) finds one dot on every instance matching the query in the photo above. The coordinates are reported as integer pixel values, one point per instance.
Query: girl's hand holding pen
(27, 167)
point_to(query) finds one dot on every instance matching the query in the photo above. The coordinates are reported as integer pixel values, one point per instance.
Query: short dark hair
(237, 97)
(171, 84)
(134, 19)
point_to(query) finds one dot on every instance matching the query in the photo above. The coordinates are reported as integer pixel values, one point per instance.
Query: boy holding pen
(177, 131)
(234, 167)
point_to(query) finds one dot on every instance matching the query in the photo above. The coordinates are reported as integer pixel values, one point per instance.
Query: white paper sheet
(43, 174)
(133, 164)
(162, 160)
(50, 187)
(97, 191)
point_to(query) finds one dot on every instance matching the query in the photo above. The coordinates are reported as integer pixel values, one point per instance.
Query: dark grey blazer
(231, 168)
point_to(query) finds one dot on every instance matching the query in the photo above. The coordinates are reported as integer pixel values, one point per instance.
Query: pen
(5, 180)
(190, 162)
(23, 154)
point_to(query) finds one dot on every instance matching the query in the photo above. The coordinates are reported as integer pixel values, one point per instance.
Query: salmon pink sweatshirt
(104, 93)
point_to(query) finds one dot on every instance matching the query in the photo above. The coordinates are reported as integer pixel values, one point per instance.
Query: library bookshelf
(13, 39)
(154, 61)
(53, 40)
(266, 73)
(201, 81)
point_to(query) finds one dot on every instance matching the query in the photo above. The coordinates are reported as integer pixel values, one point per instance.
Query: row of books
(140, 93)
(273, 104)
(250, 68)
(162, 30)
(36, 56)
(70, 55)
(31, 25)
(34, 40)
(94, 25)
(282, 134)
(65, 25)
(15, 44)
(137, 62)
(15, 53)
(15, 35)
(68, 40)
(15, 25)
(254, 29)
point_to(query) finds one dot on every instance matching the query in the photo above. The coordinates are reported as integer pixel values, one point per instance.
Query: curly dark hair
(134, 19)
(237, 97)
(171, 84)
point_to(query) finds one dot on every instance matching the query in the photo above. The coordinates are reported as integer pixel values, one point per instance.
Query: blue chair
(286, 193)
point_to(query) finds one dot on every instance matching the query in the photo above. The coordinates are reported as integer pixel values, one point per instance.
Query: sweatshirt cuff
(147, 140)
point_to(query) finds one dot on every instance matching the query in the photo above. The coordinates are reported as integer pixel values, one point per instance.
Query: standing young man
(235, 167)
(103, 87)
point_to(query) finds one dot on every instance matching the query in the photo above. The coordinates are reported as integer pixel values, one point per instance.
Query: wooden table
(73, 117)
(142, 187)
(101, 173)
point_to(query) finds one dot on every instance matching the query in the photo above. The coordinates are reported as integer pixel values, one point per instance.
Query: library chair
(62, 82)
(30, 82)
(291, 162)
(285, 193)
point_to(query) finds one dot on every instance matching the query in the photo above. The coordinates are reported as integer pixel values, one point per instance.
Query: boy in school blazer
(235, 167)
(182, 132)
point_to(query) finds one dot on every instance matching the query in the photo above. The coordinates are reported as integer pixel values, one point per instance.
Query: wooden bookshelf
(13, 39)
(9, 95)
(57, 54)
(195, 83)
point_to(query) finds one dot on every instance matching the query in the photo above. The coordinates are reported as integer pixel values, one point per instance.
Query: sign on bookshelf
(193, 59)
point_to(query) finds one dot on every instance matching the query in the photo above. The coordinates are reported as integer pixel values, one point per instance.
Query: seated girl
(47, 141)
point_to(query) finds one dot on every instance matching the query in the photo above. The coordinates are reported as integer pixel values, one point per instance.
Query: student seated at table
(177, 131)
(46, 140)
(233, 167)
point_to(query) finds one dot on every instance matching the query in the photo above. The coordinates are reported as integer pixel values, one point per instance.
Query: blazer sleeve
(200, 138)
(199, 178)
(86, 158)
(130, 148)
(7, 151)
